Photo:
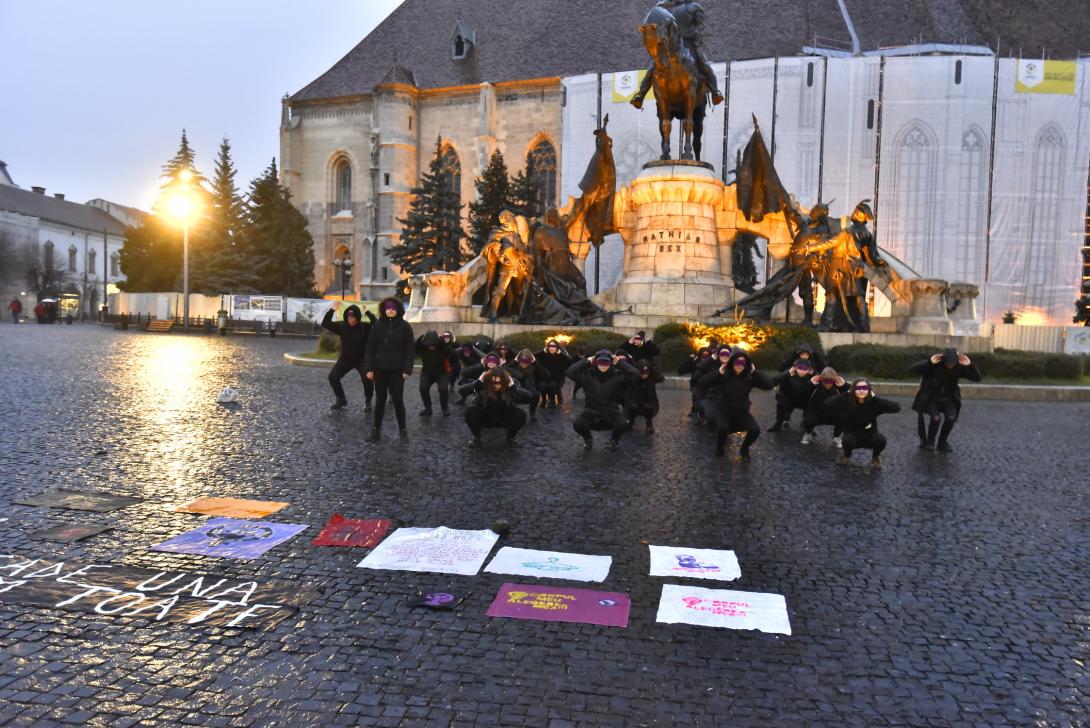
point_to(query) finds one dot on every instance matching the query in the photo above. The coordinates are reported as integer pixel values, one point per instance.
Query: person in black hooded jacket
(642, 399)
(858, 412)
(530, 373)
(389, 362)
(691, 366)
(353, 333)
(827, 385)
(436, 368)
(498, 395)
(640, 347)
(794, 391)
(603, 379)
(804, 351)
(734, 380)
(556, 360)
(939, 398)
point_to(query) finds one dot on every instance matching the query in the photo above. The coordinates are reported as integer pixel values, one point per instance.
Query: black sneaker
(474, 441)
(446, 412)
(944, 447)
(367, 406)
(512, 442)
(614, 444)
(650, 427)
(403, 435)
(374, 436)
(925, 445)
(744, 453)
(425, 413)
(588, 443)
(339, 404)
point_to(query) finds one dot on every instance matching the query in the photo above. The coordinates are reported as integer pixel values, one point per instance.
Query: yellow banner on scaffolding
(626, 84)
(1046, 77)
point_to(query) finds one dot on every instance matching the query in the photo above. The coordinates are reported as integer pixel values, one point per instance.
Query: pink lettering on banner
(715, 606)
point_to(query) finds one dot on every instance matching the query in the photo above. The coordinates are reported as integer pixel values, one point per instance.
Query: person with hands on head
(805, 352)
(495, 405)
(827, 385)
(530, 373)
(938, 401)
(858, 411)
(642, 399)
(733, 380)
(556, 360)
(451, 342)
(691, 366)
(640, 347)
(353, 333)
(389, 362)
(795, 388)
(603, 378)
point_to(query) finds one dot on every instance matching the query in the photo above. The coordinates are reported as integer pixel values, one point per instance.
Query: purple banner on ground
(231, 538)
(561, 604)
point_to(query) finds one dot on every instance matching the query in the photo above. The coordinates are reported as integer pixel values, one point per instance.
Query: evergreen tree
(222, 265)
(276, 241)
(431, 233)
(493, 197)
(151, 255)
(525, 193)
(743, 264)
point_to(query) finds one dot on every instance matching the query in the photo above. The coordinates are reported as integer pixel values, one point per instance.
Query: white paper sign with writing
(723, 608)
(551, 564)
(695, 563)
(440, 550)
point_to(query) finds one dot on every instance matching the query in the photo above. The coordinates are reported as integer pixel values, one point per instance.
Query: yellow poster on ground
(626, 84)
(1046, 77)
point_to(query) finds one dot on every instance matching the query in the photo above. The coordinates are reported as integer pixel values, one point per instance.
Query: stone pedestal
(928, 307)
(963, 317)
(674, 264)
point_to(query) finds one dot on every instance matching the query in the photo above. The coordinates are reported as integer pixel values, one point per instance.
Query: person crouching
(603, 381)
(734, 379)
(498, 395)
(642, 399)
(858, 413)
(827, 385)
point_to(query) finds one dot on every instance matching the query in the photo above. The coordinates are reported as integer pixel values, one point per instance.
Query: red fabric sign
(341, 531)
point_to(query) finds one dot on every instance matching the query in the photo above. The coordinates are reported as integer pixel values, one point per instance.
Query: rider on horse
(689, 16)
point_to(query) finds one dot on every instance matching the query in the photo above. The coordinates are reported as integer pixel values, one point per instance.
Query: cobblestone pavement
(944, 590)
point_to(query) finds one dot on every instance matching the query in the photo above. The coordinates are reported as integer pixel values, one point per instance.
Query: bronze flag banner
(159, 596)
(760, 191)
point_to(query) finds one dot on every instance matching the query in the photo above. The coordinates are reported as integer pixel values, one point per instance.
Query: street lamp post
(182, 206)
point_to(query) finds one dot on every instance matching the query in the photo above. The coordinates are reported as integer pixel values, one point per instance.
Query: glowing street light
(182, 206)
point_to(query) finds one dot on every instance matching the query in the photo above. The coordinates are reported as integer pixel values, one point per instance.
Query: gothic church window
(72, 259)
(543, 170)
(1045, 264)
(91, 261)
(451, 167)
(115, 269)
(48, 253)
(342, 177)
(972, 206)
(913, 228)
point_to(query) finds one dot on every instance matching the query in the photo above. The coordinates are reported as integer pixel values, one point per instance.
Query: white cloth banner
(723, 608)
(440, 550)
(695, 563)
(551, 564)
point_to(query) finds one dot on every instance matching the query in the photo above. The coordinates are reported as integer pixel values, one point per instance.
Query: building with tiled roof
(529, 78)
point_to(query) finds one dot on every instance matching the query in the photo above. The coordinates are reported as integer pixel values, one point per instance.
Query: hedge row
(770, 344)
(894, 362)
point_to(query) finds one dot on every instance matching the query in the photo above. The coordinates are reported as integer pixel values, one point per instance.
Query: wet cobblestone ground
(945, 590)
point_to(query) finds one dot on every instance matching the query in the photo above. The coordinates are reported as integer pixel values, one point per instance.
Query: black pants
(549, 388)
(937, 418)
(784, 410)
(728, 422)
(510, 418)
(875, 442)
(810, 420)
(340, 370)
(427, 379)
(389, 381)
(641, 409)
(615, 422)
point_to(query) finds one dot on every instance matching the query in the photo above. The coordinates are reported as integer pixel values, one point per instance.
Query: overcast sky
(95, 94)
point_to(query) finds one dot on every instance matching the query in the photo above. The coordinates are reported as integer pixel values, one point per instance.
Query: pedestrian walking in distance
(353, 333)
(389, 362)
(16, 308)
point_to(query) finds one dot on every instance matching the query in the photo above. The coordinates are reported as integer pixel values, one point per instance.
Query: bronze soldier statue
(509, 267)
(689, 16)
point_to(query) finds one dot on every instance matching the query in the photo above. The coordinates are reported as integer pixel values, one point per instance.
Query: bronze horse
(680, 89)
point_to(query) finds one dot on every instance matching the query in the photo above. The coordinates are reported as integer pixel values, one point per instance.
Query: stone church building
(482, 75)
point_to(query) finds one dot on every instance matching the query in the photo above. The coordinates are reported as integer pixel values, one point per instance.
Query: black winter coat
(555, 364)
(733, 390)
(642, 391)
(531, 375)
(391, 346)
(939, 383)
(817, 361)
(602, 391)
(859, 418)
(514, 395)
(815, 405)
(435, 361)
(353, 338)
(793, 391)
(648, 351)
